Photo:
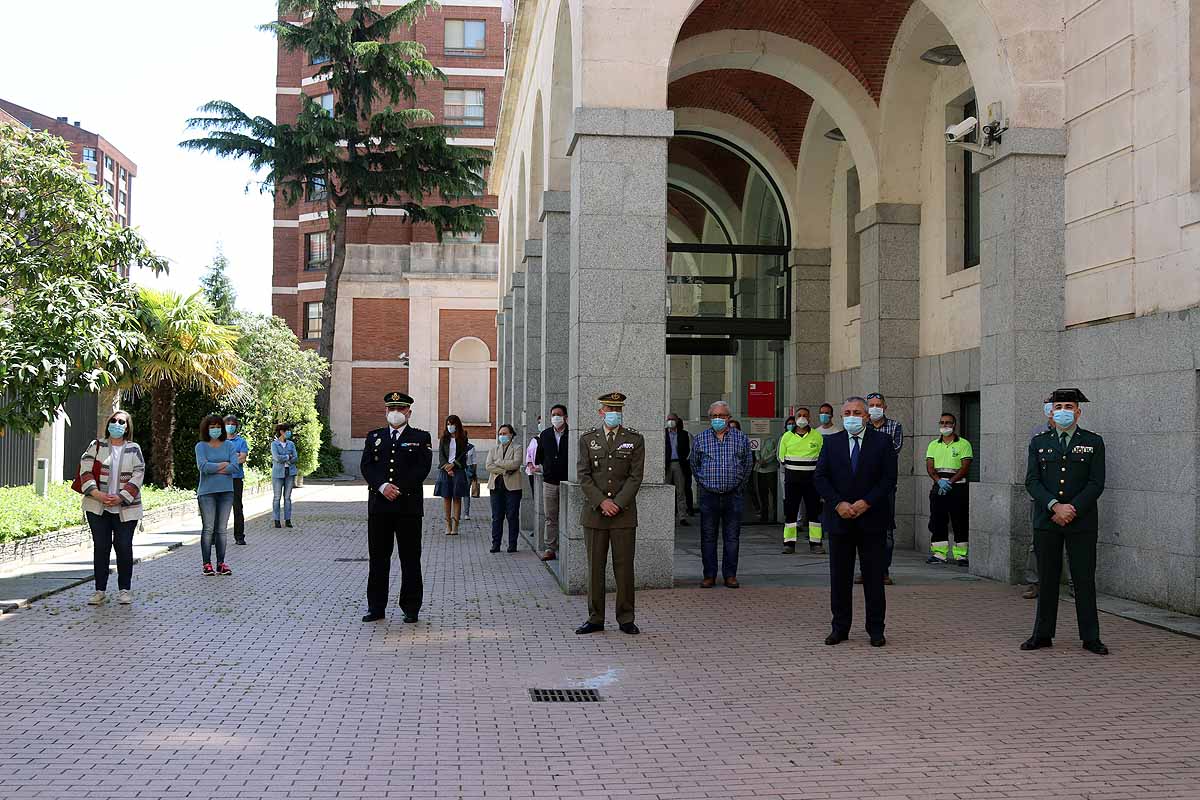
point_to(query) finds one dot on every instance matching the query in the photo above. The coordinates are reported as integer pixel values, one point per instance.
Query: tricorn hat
(1067, 396)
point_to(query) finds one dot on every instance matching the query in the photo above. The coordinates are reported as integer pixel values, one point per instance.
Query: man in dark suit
(679, 471)
(554, 445)
(855, 476)
(395, 462)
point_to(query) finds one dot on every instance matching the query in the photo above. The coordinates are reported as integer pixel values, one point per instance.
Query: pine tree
(219, 291)
(370, 152)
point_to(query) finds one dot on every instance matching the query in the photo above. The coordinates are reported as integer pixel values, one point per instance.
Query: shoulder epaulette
(631, 430)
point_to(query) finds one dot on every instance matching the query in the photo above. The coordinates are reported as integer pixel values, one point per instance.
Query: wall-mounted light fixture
(948, 55)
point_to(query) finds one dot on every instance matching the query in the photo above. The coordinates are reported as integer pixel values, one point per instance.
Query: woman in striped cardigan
(112, 470)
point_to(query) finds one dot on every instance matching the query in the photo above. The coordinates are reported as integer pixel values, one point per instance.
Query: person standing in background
(827, 426)
(766, 475)
(799, 450)
(554, 445)
(238, 473)
(722, 463)
(111, 472)
(215, 457)
(531, 468)
(879, 420)
(283, 472)
(679, 472)
(947, 462)
(504, 483)
(451, 484)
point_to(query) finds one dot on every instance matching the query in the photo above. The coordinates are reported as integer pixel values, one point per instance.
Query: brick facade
(454, 324)
(380, 328)
(368, 387)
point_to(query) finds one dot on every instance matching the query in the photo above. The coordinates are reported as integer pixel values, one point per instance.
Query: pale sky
(133, 71)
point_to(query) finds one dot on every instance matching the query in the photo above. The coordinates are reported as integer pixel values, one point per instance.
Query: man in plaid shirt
(721, 462)
(877, 409)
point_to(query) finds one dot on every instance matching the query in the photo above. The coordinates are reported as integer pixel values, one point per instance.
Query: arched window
(470, 395)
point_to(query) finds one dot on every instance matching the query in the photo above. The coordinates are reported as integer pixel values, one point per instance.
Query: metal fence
(16, 459)
(81, 411)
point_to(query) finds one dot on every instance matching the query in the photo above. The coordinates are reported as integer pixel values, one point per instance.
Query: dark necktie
(854, 453)
(395, 435)
(611, 436)
(1066, 437)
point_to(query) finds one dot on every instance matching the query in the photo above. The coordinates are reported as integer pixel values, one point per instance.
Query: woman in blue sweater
(215, 458)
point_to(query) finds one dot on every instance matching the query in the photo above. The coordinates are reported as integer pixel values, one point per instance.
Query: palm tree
(185, 349)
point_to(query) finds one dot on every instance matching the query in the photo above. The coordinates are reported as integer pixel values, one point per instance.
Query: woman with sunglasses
(111, 471)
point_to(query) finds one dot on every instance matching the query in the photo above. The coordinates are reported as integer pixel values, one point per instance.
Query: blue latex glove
(943, 486)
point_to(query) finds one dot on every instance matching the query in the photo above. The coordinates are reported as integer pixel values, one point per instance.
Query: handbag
(77, 483)
(474, 488)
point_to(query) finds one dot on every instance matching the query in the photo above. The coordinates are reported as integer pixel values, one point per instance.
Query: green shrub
(329, 459)
(26, 514)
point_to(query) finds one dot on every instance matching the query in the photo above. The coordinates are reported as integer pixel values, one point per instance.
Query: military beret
(612, 399)
(397, 399)
(1067, 396)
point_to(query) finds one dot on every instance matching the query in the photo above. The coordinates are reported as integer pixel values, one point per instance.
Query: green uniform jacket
(611, 475)
(1075, 477)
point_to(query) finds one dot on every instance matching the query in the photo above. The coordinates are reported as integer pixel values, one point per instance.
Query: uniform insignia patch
(1083, 449)
(626, 446)
(593, 444)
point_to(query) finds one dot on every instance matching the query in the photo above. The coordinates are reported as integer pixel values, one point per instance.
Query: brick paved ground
(267, 685)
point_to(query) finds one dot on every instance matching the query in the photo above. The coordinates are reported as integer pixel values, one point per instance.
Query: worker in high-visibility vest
(947, 461)
(798, 451)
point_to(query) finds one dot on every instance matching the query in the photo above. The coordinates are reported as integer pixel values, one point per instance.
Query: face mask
(791, 426)
(803, 422)
(231, 429)
(396, 418)
(505, 438)
(451, 428)
(852, 425)
(214, 433)
(718, 424)
(670, 424)
(557, 421)
(613, 419)
(876, 413)
(945, 431)
(825, 418)
(287, 434)
(1064, 418)
(1048, 409)
(116, 430)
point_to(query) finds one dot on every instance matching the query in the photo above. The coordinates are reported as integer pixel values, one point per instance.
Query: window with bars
(316, 250)
(464, 107)
(465, 37)
(312, 320)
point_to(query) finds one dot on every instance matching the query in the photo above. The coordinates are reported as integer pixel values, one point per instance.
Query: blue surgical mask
(116, 430)
(231, 429)
(214, 433)
(852, 425)
(451, 428)
(1048, 409)
(287, 434)
(1064, 418)
(825, 418)
(718, 424)
(505, 438)
(613, 419)
(791, 426)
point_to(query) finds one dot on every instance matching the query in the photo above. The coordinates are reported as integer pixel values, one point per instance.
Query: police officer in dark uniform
(610, 466)
(1065, 477)
(395, 462)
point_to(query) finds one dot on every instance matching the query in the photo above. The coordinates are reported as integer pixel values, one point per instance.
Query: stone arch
(562, 102)
(537, 164)
(470, 377)
(816, 74)
(813, 193)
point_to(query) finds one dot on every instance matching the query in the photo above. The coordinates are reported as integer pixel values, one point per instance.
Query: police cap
(397, 399)
(614, 399)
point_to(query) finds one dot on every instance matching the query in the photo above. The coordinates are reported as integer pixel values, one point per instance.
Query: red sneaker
(208, 569)
(223, 569)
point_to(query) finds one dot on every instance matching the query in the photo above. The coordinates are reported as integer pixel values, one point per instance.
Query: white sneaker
(124, 597)
(96, 599)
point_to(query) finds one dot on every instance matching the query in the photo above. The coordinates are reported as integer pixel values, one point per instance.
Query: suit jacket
(874, 481)
(552, 455)
(404, 464)
(610, 474)
(683, 445)
(504, 464)
(1075, 477)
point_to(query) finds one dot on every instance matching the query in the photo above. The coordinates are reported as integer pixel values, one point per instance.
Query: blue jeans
(282, 487)
(724, 511)
(889, 547)
(214, 516)
(506, 504)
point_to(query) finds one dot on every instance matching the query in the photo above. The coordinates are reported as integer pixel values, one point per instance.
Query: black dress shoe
(512, 549)
(1036, 643)
(410, 617)
(836, 638)
(590, 627)
(630, 628)
(1096, 646)
(278, 524)
(372, 616)
(239, 541)
(880, 642)
(495, 549)
(685, 523)
(287, 523)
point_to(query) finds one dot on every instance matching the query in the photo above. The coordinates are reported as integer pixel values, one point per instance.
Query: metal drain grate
(564, 695)
(351, 559)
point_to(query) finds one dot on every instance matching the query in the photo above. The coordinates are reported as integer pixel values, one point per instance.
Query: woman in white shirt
(451, 484)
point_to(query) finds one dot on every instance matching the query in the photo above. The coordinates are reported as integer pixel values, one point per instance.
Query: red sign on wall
(761, 398)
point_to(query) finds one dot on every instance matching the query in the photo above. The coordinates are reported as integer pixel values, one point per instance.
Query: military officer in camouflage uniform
(611, 460)
(1065, 477)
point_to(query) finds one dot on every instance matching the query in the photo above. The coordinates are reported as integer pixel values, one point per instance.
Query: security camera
(960, 132)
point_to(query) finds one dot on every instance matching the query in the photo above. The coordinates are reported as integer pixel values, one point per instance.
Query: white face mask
(451, 428)
(876, 412)
(802, 422)
(396, 418)
(557, 421)
(946, 431)
(670, 424)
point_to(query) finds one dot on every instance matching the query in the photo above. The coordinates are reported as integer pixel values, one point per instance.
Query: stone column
(618, 313)
(556, 298)
(501, 365)
(506, 363)
(517, 409)
(1023, 234)
(810, 328)
(532, 366)
(889, 274)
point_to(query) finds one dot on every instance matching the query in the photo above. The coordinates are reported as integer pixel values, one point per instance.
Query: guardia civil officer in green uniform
(611, 460)
(395, 462)
(1065, 477)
